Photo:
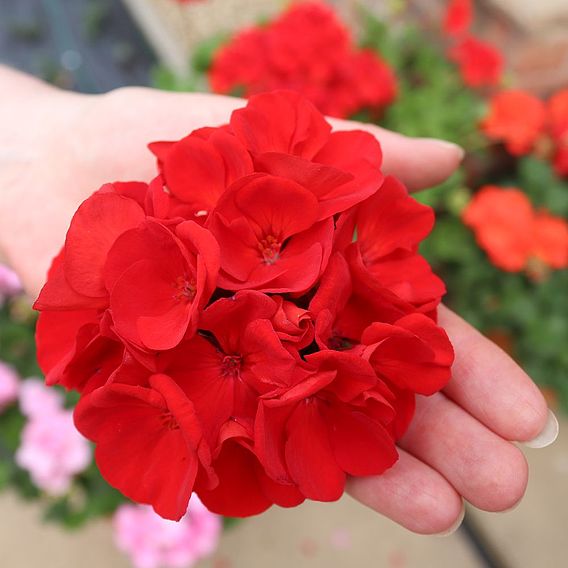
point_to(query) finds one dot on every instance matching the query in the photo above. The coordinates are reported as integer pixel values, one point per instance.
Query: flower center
(269, 248)
(169, 422)
(231, 366)
(338, 343)
(185, 289)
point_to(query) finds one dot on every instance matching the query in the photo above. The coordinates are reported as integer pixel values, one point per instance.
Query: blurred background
(490, 75)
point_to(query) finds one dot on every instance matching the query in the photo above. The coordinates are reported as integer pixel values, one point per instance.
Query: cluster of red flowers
(524, 123)
(515, 235)
(479, 62)
(225, 331)
(306, 49)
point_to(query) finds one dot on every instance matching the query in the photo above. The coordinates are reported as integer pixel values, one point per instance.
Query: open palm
(458, 446)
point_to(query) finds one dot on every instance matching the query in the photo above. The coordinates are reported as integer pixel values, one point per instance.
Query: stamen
(269, 248)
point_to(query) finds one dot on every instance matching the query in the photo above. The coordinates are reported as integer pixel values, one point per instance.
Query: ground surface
(333, 535)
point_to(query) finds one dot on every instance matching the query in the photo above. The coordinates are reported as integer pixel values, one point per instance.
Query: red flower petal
(310, 459)
(99, 221)
(414, 354)
(281, 121)
(361, 446)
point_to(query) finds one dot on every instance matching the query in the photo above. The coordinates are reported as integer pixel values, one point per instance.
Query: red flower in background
(512, 233)
(525, 124)
(557, 111)
(458, 17)
(226, 335)
(309, 50)
(515, 118)
(480, 63)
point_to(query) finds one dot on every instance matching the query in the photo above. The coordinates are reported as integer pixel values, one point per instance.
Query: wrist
(28, 110)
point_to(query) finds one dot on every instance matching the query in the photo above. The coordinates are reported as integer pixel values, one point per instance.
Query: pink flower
(10, 284)
(151, 541)
(9, 385)
(36, 399)
(51, 449)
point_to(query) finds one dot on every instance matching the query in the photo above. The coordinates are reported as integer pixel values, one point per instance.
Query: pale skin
(56, 148)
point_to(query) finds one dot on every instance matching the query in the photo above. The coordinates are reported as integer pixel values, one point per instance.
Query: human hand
(457, 447)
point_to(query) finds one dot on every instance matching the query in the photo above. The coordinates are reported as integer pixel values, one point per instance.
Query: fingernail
(447, 146)
(548, 435)
(455, 526)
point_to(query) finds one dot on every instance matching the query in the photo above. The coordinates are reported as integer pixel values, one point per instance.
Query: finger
(485, 469)
(418, 162)
(411, 494)
(491, 386)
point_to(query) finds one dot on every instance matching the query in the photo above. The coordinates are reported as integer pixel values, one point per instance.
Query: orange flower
(512, 233)
(458, 17)
(480, 63)
(515, 118)
(550, 240)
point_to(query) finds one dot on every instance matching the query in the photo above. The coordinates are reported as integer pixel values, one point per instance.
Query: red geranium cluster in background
(225, 331)
(479, 62)
(524, 123)
(515, 235)
(309, 50)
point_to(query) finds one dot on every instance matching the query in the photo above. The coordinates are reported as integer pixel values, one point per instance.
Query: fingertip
(547, 429)
(421, 162)
(456, 524)
(507, 485)
(412, 495)
(443, 519)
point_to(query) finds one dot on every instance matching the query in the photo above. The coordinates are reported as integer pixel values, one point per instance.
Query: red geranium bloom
(363, 284)
(200, 167)
(288, 137)
(137, 430)
(306, 374)
(458, 17)
(346, 411)
(480, 63)
(174, 276)
(308, 50)
(244, 488)
(241, 356)
(269, 236)
(390, 226)
(515, 118)
(387, 348)
(512, 233)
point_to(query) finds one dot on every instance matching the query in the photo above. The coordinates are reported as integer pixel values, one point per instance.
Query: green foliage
(90, 497)
(203, 56)
(432, 99)
(17, 346)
